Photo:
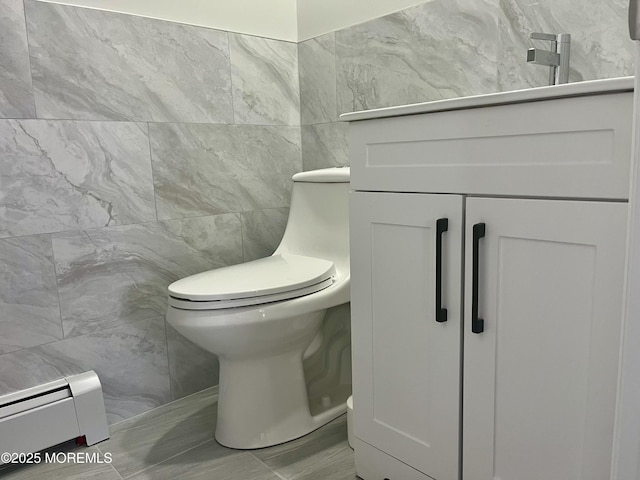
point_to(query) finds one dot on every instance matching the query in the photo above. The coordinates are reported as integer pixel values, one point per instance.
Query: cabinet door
(406, 371)
(540, 379)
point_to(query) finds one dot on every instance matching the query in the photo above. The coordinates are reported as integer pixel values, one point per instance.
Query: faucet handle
(551, 37)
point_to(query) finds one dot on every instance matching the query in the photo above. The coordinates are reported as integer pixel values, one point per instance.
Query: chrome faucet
(557, 59)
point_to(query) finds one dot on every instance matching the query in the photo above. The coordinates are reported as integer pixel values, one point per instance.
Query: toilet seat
(271, 279)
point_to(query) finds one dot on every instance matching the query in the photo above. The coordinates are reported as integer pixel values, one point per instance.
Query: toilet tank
(318, 224)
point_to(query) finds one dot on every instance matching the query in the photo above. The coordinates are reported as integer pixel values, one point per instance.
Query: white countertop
(592, 87)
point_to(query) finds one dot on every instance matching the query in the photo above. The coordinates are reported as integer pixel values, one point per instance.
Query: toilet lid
(273, 278)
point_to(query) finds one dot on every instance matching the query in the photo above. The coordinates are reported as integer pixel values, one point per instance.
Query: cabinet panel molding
(540, 381)
(407, 380)
(573, 147)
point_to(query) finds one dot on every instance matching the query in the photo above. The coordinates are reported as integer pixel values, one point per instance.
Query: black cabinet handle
(477, 324)
(442, 225)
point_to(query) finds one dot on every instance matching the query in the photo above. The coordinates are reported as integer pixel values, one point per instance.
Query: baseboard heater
(53, 413)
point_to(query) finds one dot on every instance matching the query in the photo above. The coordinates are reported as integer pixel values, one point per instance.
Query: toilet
(263, 317)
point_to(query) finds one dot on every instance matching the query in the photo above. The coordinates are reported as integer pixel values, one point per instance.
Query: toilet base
(263, 402)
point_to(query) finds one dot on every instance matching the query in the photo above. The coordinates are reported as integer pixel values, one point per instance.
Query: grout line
(275, 472)
(148, 222)
(233, 103)
(116, 470)
(102, 449)
(166, 342)
(92, 332)
(166, 459)
(301, 152)
(55, 274)
(165, 405)
(242, 232)
(335, 77)
(153, 174)
(299, 85)
(26, 30)
(166, 122)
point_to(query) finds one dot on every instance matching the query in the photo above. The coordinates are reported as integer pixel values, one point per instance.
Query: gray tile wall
(96, 65)
(443, 49)
(127, 161)
(16, 95)
(600, 44)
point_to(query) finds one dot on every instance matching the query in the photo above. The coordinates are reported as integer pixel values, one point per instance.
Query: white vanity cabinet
(519, 382)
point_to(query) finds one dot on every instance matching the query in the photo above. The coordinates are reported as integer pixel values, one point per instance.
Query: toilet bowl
(261, 317)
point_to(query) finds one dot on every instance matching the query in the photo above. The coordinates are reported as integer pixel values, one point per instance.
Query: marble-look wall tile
(116, 275)
(600, 45)
(325, 145)
(130, 360)
(266, 88)
(212, 169)
(91, 64)
(29, 367)
(29, 311)
(16, 95)
(63, 175)
(191, 368)
(439, 49)
(262, 231)
(317, 63)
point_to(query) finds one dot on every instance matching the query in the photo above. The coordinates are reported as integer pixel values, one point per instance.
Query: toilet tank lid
(324, 175)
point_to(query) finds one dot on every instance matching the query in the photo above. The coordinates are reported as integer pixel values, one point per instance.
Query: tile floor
(176, 441)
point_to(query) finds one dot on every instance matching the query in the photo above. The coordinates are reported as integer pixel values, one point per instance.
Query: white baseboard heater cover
(53, 413)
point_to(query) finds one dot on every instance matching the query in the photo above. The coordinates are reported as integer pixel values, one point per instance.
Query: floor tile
(338, 466)
(176, 441)
(322, 451)
(203, 463)
(148, 439)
